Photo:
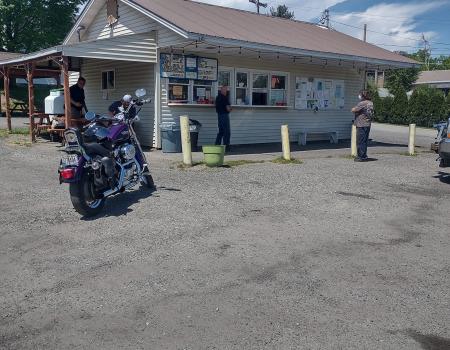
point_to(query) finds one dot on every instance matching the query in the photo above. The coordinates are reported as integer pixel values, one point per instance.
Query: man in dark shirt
(223, 109)
(77, 99)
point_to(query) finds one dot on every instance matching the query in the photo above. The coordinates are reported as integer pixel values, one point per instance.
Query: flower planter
(214, 155)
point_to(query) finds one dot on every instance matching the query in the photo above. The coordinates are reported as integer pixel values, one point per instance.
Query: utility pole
(365, 33)
(427, 51)
(325, 19)
(258, 4)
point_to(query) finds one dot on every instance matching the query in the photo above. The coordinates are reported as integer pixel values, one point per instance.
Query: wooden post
(30, 74)
(285, 142)
(186, 140)
(7, 98)
(67, 103)
(354, 145)
(412, 139)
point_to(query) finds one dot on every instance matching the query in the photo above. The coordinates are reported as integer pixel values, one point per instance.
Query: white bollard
(285, 142)
(354, 146)
(186, 140)
(412, 139)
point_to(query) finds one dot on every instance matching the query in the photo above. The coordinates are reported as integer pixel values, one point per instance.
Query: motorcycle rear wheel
(82, 197)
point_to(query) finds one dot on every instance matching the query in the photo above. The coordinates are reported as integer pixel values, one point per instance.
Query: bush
(427, 106)
(399, 107)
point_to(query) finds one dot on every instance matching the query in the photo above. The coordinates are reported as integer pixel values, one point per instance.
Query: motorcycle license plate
(70, 160)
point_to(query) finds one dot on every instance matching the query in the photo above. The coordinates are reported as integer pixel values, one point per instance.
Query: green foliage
(31, 25)
(399, 107)
(401, 78)
(427, 106)
(282, 11)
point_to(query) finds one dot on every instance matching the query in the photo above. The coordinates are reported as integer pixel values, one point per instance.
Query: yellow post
(354, 147)
(285, 142)
(186, 140)
(412, 139)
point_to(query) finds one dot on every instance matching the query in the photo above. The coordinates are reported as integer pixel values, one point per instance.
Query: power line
(391, 35)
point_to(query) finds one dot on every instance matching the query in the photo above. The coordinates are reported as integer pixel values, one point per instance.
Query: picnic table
(19, 106)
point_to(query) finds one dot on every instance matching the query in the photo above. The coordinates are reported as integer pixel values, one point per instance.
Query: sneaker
(359, 160)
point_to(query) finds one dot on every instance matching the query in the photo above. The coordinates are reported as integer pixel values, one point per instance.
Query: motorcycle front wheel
(83, 197)
(147, 182)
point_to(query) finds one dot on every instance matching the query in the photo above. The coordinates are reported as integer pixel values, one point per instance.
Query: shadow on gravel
(429, 341)
(120, 204)
(443, 177)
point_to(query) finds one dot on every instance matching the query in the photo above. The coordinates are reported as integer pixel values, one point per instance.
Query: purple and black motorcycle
(104, 158)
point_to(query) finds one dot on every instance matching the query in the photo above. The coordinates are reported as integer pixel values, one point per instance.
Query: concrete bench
(334, 136)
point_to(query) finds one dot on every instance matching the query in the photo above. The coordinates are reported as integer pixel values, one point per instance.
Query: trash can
(194, 129)
(170, 138)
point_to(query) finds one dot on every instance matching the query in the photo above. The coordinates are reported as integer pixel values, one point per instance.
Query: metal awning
(135, 48)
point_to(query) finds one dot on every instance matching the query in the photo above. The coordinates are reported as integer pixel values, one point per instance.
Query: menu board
(207, 69)
(188, 67)
(173, 66)
(313, 93)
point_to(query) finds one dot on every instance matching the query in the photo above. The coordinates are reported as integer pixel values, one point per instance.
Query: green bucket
(214, 155)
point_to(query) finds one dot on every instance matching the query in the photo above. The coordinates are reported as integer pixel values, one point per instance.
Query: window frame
(250, 76)
(107, 79)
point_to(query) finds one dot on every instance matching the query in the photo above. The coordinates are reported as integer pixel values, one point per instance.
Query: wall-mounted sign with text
(188, 67)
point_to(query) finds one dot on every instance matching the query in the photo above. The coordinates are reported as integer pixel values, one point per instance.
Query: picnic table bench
(334, 135)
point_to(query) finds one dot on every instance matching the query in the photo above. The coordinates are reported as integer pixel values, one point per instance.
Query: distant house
(439, 79)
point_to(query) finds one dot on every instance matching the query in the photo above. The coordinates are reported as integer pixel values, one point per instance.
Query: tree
(401, 78)
(399, 109)
(427, 106)
(282, 11)
(30, 25)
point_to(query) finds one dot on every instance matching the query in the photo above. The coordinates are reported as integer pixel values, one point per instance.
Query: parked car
(444, 146)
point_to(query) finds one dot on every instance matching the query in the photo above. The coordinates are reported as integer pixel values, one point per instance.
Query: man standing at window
(77, 99)
(223, 109)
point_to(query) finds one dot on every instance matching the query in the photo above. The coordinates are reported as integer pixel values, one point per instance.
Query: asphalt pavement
(328, 254)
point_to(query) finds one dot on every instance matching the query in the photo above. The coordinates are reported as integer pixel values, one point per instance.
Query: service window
(278, 90)
(242, 95)
(108, 80)
(203, 92)
(260, 89)
(178, 90)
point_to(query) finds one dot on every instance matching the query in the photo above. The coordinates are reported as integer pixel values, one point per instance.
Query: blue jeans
(362, 139)
(224, 129)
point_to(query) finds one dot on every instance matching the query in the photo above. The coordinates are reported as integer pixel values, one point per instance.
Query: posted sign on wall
(312, 93)
(188, 67)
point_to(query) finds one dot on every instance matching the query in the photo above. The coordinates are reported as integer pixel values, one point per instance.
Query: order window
(260, 89)
(242, 96)
(179, 90)
(278, 90)
(203, 92)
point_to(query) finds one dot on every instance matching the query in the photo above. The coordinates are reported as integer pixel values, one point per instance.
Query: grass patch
(406, 154)
(21, 143)
(183, 166)
(350, 157)
(239, 162)
(281, 160)
(15, 131)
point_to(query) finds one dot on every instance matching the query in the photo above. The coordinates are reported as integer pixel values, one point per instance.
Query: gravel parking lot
(329, 254)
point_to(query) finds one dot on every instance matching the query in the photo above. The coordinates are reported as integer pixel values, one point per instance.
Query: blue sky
(405, 21)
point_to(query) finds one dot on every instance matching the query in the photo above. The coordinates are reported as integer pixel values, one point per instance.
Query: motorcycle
(444, 145)
(104, 158)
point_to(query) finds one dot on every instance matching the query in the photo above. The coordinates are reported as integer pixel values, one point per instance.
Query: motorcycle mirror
(89, 116)
(141, 93)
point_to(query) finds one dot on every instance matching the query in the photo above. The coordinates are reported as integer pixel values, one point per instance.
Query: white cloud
(304, 10)
(396, 19)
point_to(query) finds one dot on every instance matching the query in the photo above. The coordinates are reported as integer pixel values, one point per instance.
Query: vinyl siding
(130, 21)
(261, 125)
(129, 76)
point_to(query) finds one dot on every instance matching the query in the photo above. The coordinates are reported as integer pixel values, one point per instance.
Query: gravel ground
(330, 254)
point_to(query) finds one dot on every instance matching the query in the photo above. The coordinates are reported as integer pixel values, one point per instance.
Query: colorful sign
(188, 67)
